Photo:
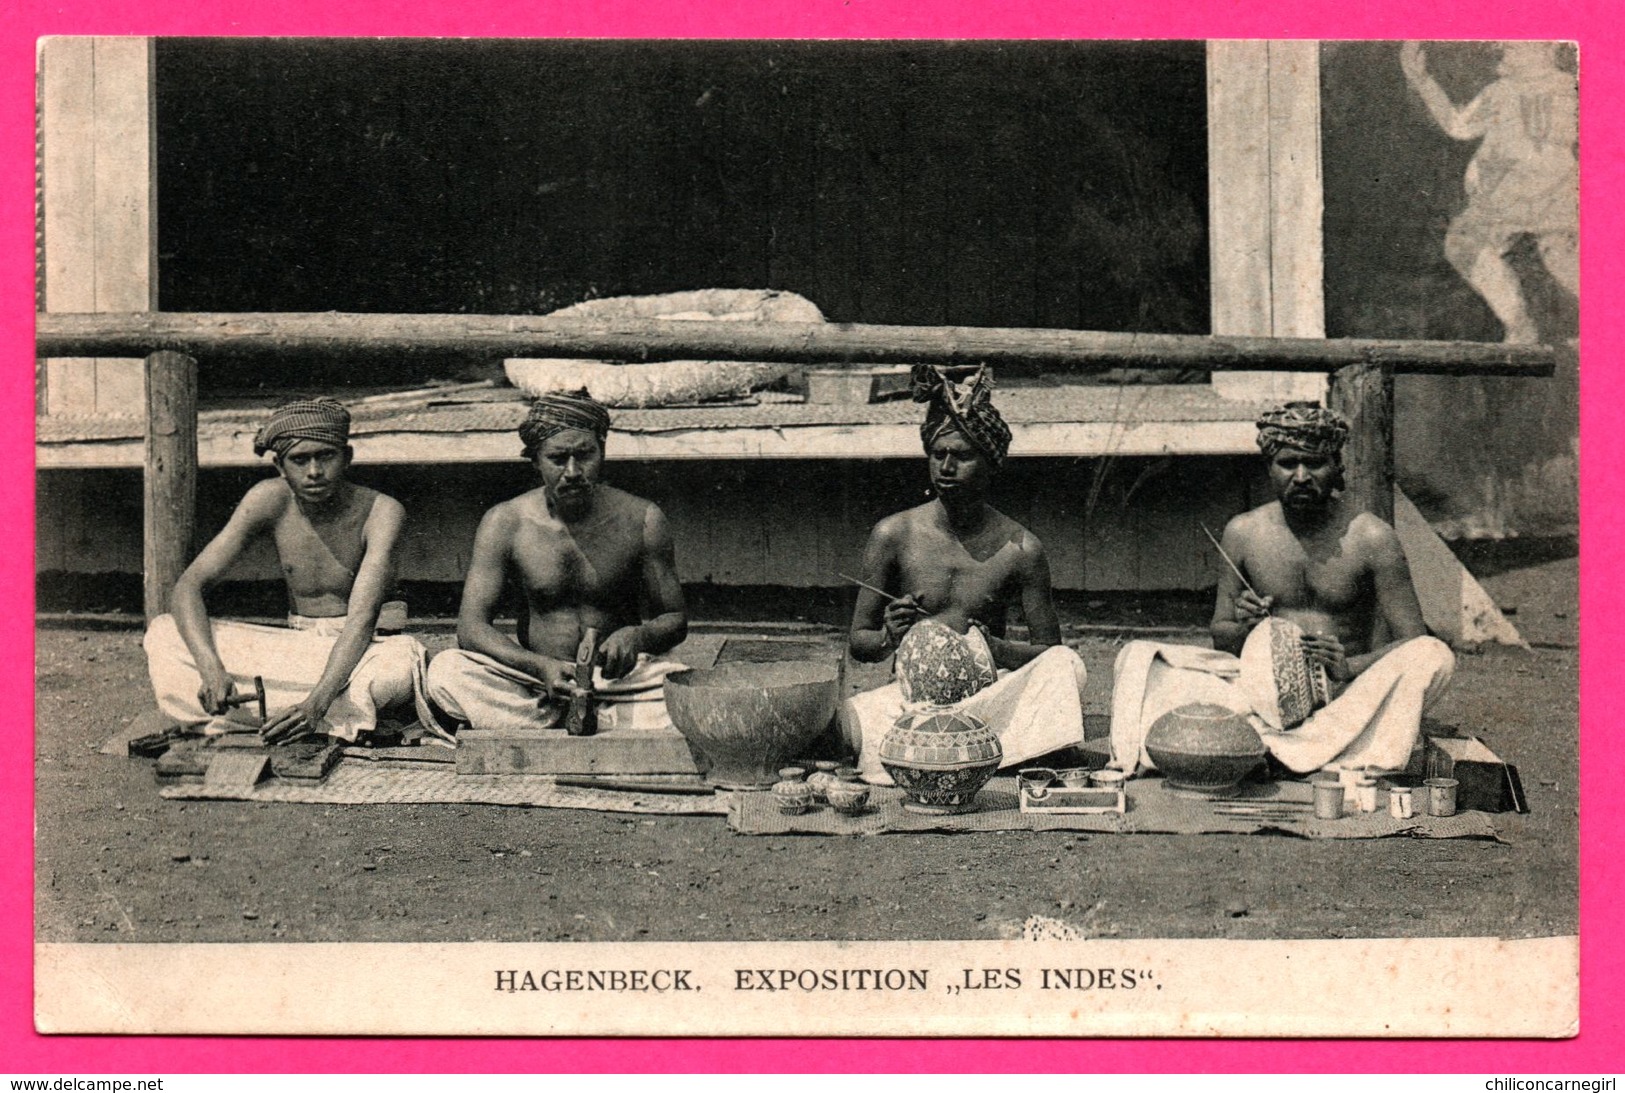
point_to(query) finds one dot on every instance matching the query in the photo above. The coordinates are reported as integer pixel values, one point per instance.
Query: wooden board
(552, 751)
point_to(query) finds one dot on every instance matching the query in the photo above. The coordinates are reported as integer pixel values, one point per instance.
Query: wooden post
(169, 480)
(1364, 394)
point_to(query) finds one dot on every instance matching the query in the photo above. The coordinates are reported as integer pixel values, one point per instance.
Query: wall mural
(1451, 186)
(1523, 180)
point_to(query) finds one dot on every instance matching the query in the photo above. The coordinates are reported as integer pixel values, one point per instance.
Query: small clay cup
(792, 774)
(1036, 781)
(1075, 778)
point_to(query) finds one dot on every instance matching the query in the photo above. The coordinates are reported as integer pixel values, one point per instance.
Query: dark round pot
(1204, 749)
(941, 759)
(749, 719)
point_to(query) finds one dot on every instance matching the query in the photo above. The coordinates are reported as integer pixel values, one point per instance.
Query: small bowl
(1108, 778)
(794, 797)
(849, 798)
(848, 774)
(1075, 778)
(792, 774)
(1036, 781)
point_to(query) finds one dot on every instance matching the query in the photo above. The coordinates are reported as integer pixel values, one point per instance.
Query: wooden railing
(1361, 372)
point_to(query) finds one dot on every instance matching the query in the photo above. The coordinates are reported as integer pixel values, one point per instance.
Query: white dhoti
(483, 693)
(1373, 724)
(290, 659)
(1035, 709)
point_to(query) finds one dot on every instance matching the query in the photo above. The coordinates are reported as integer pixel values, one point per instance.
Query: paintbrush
(1234, 568)
(887, 596)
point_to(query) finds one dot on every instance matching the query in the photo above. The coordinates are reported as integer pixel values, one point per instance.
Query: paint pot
(792, 774)
(1441, 796)
(1035, 781)
(1399, 802)
(1329, 800)
(1075, 778)
(1365, 792)
(1108, 778)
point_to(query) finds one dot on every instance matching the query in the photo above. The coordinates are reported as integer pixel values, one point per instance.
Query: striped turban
(557, 412)
(1307, 426)
(319, 419)
(964, 408)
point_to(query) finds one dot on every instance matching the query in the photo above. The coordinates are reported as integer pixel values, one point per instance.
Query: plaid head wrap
(965, 408)
(557, 412)
(319, 419)
(1307, 426)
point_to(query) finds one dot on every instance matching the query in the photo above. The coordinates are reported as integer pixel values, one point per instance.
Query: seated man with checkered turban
(328, 672)
(952, 569)
(584, 556)
(1317, 632)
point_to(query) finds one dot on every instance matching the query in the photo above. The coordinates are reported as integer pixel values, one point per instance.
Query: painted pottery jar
(850, 798)
(940, 667)
(794, 797)
(1204, 749)
(940, 758)
(822, 778)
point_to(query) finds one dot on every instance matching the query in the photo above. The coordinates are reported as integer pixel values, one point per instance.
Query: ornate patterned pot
(822, 778)
(794, 797)
(850, 798)
(1204, 749)
(940, 758)
(939, 666)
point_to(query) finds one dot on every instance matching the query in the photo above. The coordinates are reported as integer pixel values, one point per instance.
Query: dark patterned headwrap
(557, 412)
(965, 408)
(319, 419)
(1307, 426)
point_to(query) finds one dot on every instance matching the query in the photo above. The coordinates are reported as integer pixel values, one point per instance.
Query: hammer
(582, 719)
(258, 696)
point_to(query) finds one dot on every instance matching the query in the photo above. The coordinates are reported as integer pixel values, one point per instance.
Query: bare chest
(556, 564)
(1295, 578)
(320, 558)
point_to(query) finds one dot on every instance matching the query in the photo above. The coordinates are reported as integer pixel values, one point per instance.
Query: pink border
(1603, 90)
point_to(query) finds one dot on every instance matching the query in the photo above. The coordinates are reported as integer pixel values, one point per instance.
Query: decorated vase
(940, 759)
(938, 666)
(1204, 749)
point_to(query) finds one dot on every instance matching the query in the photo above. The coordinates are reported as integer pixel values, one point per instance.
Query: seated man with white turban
(327, 672)
(584, 555)
(1318, 636)
(951, 568)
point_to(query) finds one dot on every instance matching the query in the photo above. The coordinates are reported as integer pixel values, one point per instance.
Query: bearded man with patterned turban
(585, 555)
(954, 566)
(328, 672)
(1321, 645)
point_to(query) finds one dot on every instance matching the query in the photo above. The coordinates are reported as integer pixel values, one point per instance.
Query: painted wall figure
(1522, 181)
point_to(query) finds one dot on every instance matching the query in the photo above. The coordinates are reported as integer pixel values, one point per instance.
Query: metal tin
(1441, 796)
(1365, 793)
(1329, 800)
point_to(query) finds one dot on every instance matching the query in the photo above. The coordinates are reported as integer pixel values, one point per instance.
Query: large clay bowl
(1204, 749)
(748, 720)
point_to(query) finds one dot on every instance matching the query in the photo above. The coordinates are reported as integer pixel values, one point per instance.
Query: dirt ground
(115, 862)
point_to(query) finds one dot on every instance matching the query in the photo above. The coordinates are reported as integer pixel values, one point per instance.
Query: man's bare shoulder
(267, 500)
(505, 516)
(901, 525)
(1372, 534)
(1248, 524)
(619, 504)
